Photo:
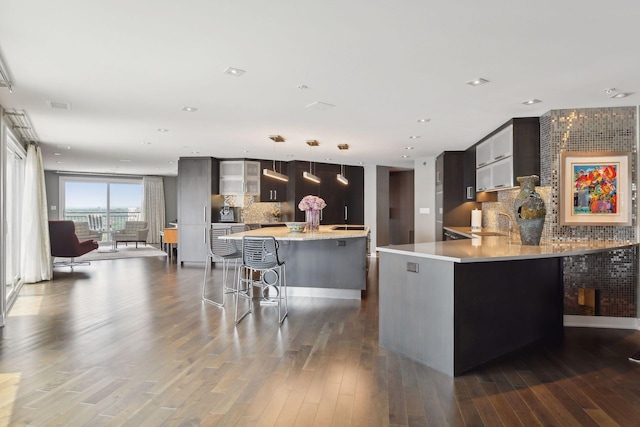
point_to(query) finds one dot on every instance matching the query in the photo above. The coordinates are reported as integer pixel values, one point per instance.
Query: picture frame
(595, 188)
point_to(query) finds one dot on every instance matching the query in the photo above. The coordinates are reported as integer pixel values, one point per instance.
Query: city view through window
(104, 205)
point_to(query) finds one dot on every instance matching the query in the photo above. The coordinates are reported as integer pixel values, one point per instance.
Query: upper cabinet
(240, 177)
(271, 189)
(510, 151)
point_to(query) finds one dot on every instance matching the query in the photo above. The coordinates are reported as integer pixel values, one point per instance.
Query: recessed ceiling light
(477, 82)
(189, 109)
(59, 162)
(408, 148)
(63, 147)
(423, 120)
(621, 95)
(234, 71)
(171, 162)
(414, 137)
(57, 154)
(195, 152)
(303, 87)
(125, 160)
(531, 101)
(406, 156)
(163, 130)
(290, 155)
(328, 159)
(245, 151)
(145, 143)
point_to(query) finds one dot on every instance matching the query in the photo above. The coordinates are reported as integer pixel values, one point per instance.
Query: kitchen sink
(349, 227)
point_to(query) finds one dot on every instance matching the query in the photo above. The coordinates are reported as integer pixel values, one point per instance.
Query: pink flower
(311, 202)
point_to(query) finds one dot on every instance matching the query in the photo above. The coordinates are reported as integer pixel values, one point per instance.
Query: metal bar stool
(260, 254)
(225, 251)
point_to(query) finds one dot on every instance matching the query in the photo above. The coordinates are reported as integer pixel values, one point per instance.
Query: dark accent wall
(382, 206)
(401, 207)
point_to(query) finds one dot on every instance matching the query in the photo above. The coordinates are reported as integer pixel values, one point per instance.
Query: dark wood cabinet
(271, 189)
(452, 208)
(345, 203)
(197, 183)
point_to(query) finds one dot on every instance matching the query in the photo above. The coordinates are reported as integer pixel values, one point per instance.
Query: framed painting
(595, 188)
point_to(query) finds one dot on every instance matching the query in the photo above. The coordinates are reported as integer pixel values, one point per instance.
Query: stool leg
(244, 278)
(282, 291)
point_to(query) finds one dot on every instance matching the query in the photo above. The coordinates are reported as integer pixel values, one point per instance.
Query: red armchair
(65, 244)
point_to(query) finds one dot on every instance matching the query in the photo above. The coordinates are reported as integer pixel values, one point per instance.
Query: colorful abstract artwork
(594, 188)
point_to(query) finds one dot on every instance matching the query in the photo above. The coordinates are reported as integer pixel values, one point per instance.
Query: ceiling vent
(320, 106)
(59, 105)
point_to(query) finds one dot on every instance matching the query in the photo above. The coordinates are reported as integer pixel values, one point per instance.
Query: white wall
(425, 198)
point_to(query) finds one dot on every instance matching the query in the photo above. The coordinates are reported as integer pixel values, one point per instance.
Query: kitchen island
(454, 305)
(330, 262)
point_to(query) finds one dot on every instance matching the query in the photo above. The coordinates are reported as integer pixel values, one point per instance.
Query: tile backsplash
(255, 212)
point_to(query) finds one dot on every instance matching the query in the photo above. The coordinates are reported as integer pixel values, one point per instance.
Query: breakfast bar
(454, 305)
(329, 262)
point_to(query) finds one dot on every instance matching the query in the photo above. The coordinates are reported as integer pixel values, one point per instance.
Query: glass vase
(312, 218)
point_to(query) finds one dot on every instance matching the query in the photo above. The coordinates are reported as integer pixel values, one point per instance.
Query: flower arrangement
(276, 213)
(311, 202)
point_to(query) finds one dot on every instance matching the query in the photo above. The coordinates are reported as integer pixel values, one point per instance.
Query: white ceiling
(129, 67)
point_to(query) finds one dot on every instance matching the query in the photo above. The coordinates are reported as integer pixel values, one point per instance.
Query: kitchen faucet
(508, 219)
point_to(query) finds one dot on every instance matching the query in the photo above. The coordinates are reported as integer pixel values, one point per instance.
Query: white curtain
(35, 251)
(153, 206)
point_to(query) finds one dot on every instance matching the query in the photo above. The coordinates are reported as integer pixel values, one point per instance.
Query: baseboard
(602, 322)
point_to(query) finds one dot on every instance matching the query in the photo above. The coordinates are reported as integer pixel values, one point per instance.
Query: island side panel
(416, 309)
(502, 306)
(329, 263)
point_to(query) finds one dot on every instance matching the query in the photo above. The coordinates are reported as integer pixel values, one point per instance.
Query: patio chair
(134, 231)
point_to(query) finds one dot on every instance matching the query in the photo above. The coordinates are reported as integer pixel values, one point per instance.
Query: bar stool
(225, 251)
(260, 254)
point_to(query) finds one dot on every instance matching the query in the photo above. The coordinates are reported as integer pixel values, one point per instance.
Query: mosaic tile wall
(614, 275)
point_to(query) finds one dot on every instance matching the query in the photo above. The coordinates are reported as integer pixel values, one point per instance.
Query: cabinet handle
(204, 235)
(499, 185)
(469, 192)
(501, 156)
(275, 194)
(438, 176)
(481, 189)
(482, 164)
(346, 213)
(204, 214)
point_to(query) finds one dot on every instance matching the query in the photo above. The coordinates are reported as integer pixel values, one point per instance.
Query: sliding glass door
(105, 203)
(13, 163)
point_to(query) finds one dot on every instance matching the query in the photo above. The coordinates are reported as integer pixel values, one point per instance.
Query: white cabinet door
(252, 178)
(502, 174)
(483, 154)
(483, 178)
(239, 178)
(502, 144)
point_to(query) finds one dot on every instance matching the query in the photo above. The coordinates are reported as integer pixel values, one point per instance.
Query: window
(105, 203)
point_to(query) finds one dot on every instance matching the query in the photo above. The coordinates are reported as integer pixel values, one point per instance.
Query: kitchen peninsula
(457, 304)
(330, 262)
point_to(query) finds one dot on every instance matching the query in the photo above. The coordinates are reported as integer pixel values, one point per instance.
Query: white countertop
(282, 233)
(482, 249)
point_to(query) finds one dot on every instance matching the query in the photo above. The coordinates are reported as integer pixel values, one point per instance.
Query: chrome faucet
(508, 219)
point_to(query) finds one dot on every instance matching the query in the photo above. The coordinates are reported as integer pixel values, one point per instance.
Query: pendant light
(272, 173)
(309, 176)
(341, 178)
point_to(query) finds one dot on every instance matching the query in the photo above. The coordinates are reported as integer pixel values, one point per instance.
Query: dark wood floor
(128, 342)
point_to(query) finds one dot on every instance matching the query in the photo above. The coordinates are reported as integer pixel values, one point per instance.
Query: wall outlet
(54, 207)
(425, 211)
